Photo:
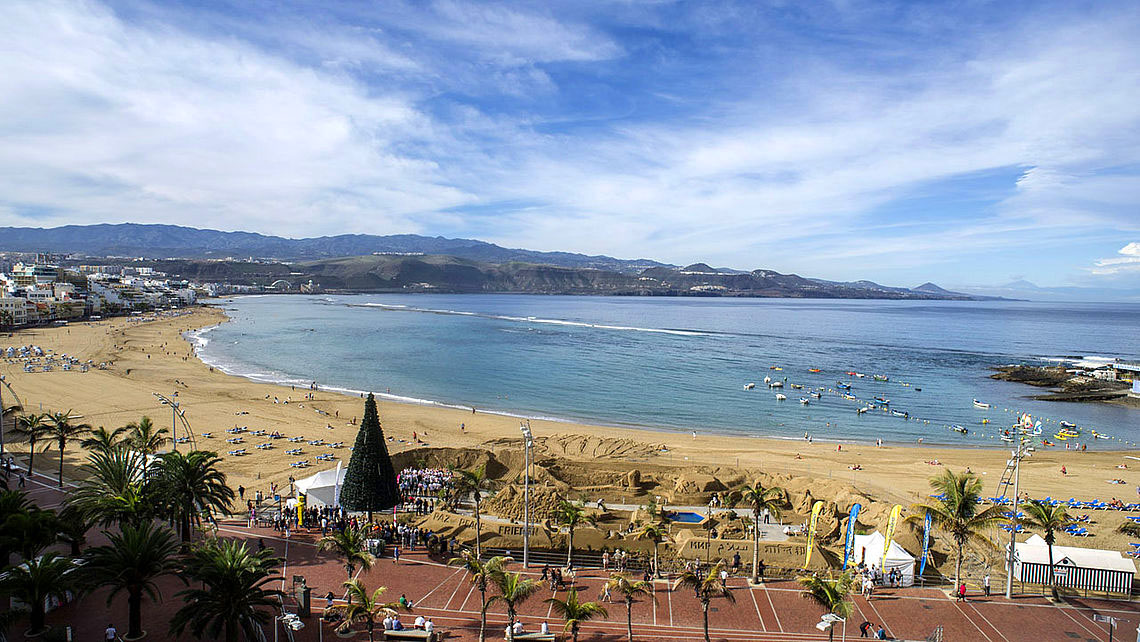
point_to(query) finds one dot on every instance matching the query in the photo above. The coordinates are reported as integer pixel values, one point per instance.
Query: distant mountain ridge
(409, 262)
(173, 241)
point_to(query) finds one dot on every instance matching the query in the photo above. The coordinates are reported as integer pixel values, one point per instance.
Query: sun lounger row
(325, 457)
(238, 453)
(300, 464)
(294, 451)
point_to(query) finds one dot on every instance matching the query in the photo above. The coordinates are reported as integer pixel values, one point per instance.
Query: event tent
(868, 549)
(1074, 567)
(322, 488)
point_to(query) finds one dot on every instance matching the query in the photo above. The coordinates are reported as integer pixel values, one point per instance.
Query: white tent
(322, 489)
(869, 550)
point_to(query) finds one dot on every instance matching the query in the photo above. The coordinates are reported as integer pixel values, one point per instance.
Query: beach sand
(152, 357)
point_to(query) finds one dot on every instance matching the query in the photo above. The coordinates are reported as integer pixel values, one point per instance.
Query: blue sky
(960, 142)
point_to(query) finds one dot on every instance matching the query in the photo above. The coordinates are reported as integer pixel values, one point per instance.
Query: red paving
(774, 612)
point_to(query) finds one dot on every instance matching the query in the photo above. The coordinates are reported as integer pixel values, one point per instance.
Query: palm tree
(514, 589)
(707, 586)
(760, 498)
(575, 612)
(134, 559)
(73, 525)
(957, 512)
(472, 482)
(191, 484)
(629, 590)
(34, 428)
(102, 439)
(481, 574)
(112, 489)
(350, 544)
(831, 593)
(1049, 519)
(145, 437)
(36, 580)
(29, 532)
(655, 533)
(62, 430)
(12, 503)
(232, 599)
(570, 515)
(363, 607)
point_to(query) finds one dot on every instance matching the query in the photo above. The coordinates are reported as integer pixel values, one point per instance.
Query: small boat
(860, 375)
(1068, 424)
(918, 389)
(814, 370)
(775, 368)
(850, 396)
(880, 377)
(850, 373)
(797, 386)
(805, 401)
(749, 386)
(978, 404)
(842, 386)
(776, 384)
(1060, 437)
(861, 411)
(780, 397)
(1046, 442)
(900, 413)
(1007, 438)
(767, 379)
(885, 402)
(1097, 435)
(961, 429)
(817, 395)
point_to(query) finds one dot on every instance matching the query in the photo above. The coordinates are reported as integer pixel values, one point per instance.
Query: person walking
(865, 628)
(986, 584)
(962, 592)
(111, 633)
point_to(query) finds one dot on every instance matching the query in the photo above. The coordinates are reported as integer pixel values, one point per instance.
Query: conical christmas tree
(370, 482)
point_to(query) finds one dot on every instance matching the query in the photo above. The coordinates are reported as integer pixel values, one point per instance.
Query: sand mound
(572, 445)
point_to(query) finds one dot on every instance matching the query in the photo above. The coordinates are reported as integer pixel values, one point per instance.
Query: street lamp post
(1, 415)
(163, 399)
(1023, 424)
(528, 441)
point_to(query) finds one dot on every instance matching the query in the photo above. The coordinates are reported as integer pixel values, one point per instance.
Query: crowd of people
(424, 482)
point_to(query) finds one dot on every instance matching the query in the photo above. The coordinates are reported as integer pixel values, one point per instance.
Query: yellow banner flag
(892, 523)
(816, 507)
(300, 509)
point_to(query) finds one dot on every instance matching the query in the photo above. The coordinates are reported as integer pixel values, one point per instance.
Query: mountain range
(409, 262)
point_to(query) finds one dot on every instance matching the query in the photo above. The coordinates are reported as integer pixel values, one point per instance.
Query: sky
(957, 142)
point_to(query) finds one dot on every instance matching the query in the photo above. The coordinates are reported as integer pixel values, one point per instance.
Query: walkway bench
(410, 634)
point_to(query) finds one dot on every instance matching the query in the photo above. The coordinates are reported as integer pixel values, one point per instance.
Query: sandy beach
(152, 357)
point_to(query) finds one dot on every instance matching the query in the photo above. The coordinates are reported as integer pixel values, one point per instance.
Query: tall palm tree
(472, 482)
(760, 498)
(135, 558)
(29, 532)
(481, 574)
(190, 485)
(571, 515)
(351, 545)
(12, 503)
(574, 613)
(706, 586)
(957, 512)
(33, 427)
(655, 533)
(231, 599)
(629, 590)
(112, 489)
(63, 430)
(102, 439)
(145, 437)
(36, 580)
(832, 593)
(363, 607)
(514, 589)
(1049, 519)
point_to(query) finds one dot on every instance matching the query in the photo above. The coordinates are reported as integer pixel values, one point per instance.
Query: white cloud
(1128, 261)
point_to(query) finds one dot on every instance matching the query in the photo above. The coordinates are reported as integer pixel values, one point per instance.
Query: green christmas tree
(370, 482)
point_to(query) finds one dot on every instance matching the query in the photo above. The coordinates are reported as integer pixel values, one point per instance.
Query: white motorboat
(780, 397)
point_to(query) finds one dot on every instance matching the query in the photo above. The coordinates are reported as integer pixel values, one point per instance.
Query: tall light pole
(1024, 424)
(2, 384)
(163, 399)
(528, 441)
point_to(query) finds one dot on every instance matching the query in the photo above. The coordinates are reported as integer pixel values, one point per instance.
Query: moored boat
(780, 397)
(961, 429)
(979, 404)
(749, 386)
(805, 401)
(881, 378)
(1068, 424)
(814, 370)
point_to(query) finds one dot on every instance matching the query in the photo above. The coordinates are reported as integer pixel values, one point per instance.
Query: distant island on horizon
(414, 263)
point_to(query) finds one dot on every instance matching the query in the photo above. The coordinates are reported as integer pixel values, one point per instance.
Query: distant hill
(438, 273)
(172, 241)
(1023, 289)
(408, 262)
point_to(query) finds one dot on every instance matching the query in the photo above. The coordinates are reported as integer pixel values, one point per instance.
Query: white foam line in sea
(515, 319)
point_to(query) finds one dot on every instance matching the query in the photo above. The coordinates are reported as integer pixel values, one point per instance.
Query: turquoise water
(681, 363)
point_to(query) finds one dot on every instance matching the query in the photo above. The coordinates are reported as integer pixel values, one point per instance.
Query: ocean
(682, 363)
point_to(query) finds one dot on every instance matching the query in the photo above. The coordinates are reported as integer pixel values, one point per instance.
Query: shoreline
(155, 356)
(196, 338)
